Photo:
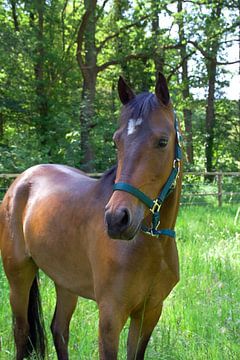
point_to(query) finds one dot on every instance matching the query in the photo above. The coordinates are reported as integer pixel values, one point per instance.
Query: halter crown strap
(155, 205)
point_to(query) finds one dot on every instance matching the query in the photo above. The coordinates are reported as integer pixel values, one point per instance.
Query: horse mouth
(127, 234)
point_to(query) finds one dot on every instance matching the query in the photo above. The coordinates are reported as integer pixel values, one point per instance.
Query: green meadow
(201, 317)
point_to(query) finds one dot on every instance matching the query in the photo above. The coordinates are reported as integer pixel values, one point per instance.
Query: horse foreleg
(65, 306)
(141, 328)
(111, 321)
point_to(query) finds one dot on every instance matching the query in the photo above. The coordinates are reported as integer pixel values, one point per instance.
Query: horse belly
(60, 249)
(64, 270)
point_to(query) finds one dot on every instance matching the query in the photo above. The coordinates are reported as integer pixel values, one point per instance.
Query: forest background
(59, 65)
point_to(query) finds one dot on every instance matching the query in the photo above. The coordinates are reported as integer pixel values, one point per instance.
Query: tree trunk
(187, 112)
(119, 7)
(87, 61)
(211, 64)
(158, 54)
(14, 15)
(86, 120)
(210, 113)
(42, 102)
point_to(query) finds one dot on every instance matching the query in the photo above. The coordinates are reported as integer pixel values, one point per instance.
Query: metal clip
(176, 164)
(179, 138)
(156, 207)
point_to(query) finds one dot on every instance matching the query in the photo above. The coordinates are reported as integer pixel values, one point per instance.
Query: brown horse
(57, 219)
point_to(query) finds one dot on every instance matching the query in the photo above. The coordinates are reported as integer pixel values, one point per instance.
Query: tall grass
(201, 317)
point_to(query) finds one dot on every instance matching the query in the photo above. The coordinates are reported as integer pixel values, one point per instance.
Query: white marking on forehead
(139, 121)
(132, 124)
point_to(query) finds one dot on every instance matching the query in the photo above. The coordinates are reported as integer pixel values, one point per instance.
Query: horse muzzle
(120, 223)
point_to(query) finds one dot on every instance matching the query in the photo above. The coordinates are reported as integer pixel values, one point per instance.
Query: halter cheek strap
(155, 205)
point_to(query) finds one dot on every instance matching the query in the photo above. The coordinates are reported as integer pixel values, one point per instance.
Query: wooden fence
(224, 187)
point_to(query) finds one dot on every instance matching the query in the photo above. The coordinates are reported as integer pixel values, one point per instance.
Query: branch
(142, 56)
(101, 9)
(72, 41)
(110, 37)
(200, 48)
(228, 62)
(228, 41)
(63, 25)
(174, 69)
(211, 58)
(233, 26)
(14, 15)
(80, 34)
(171, 47)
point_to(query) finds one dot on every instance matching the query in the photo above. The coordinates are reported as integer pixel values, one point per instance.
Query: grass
(201, 317)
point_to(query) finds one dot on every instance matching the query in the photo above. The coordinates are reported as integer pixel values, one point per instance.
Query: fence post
(219, 183)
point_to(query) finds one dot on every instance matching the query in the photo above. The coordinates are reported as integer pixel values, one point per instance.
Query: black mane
(109, 175)
(142, 105)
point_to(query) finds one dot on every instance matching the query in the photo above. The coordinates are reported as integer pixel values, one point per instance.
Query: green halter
(155, 205)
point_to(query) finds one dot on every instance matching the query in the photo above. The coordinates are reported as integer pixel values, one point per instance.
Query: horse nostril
(118, 220)
(108, 218)
(125, 217)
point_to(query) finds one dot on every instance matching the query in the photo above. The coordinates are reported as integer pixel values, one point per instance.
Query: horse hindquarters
(21, 272)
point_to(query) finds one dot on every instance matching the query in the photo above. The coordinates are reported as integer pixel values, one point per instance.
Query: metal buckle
(176, 164)
(150, 232)
(179, 138)
(156, 207)
(176, 161)
(154, 235)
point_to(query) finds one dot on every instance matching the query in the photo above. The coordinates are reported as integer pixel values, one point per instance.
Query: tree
(187, 112)
(88, 53)
(44, 91)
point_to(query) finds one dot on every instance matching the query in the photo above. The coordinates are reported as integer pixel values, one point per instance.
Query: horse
(102, 239)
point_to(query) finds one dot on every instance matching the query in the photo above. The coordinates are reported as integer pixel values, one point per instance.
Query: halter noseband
(155, 205)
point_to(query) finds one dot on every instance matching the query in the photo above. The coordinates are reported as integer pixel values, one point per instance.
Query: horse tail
(37, 335)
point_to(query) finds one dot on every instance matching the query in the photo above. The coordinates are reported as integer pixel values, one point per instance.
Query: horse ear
(124, 91)
(161, 89)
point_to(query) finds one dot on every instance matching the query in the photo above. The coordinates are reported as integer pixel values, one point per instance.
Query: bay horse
(72, 227)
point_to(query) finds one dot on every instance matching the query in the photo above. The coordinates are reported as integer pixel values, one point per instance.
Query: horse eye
(162, 142)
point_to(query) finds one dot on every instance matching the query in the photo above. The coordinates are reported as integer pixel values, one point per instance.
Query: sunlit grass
(201, 317)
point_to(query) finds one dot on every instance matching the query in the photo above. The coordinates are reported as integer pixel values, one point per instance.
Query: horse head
(146, 143)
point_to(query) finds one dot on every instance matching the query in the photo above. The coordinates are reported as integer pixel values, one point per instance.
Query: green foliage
(41, 84)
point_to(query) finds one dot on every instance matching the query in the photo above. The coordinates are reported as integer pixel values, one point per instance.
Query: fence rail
(223, 188)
